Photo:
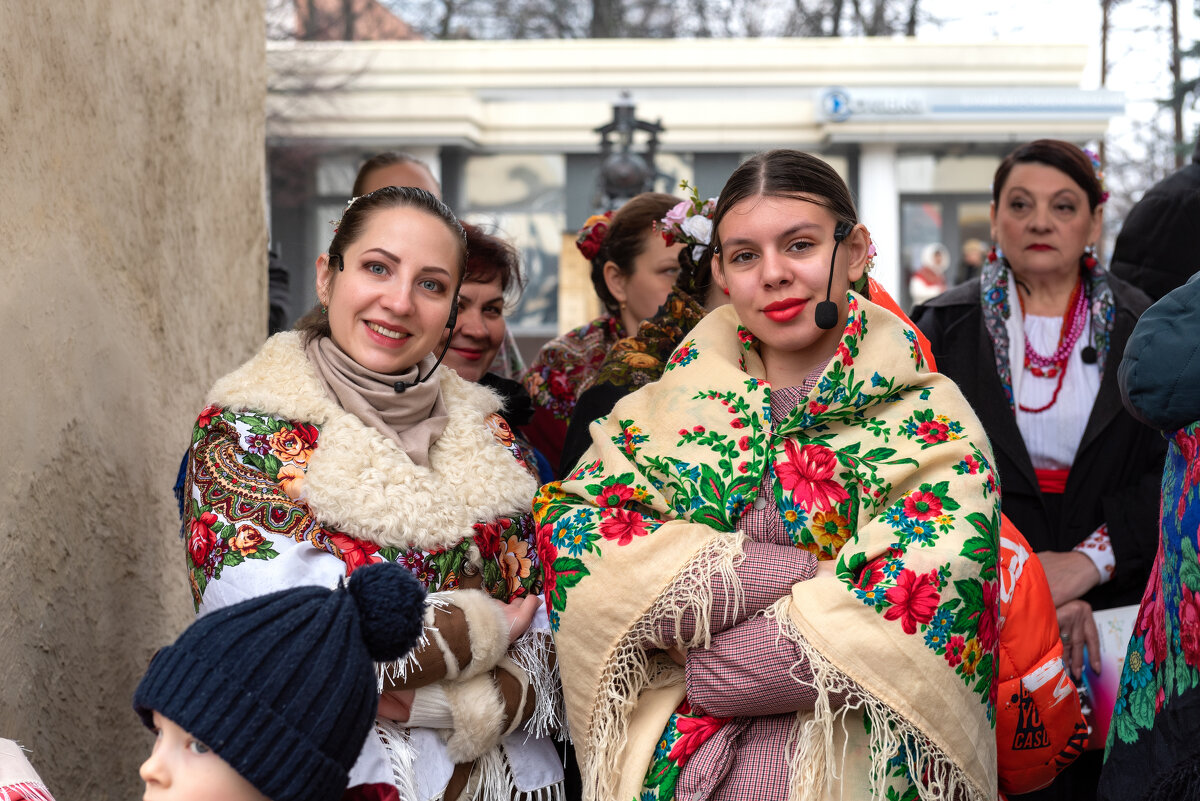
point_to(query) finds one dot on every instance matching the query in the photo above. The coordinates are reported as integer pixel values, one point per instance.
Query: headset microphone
(826, 314)
(451, 321)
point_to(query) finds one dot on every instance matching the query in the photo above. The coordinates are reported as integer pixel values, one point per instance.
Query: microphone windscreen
(826, 315)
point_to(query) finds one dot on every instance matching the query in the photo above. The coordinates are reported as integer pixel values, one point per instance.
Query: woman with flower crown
(343, 444)
(1034, 344)
(633, 269)
(774, 575)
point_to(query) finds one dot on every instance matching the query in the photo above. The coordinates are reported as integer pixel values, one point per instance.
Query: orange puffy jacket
(1039, 725)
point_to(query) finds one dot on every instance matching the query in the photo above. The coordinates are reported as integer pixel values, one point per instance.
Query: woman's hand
(396, 705)
(1077, 628)
(519, 614)
(1070, 574)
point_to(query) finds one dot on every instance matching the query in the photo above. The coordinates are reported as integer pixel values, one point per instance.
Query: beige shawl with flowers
(634, 537)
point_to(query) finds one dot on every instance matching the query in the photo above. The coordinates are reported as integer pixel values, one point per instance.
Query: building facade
(915, 128)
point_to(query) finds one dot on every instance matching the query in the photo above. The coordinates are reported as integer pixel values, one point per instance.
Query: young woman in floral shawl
(341, 445)
(774, 574)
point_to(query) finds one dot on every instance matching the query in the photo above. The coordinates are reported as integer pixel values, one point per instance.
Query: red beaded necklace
(1074, 320)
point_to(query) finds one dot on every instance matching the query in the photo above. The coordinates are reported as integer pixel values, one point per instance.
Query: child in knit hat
(271, 699)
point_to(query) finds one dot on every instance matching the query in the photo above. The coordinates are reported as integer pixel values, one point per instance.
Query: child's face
(181, 768)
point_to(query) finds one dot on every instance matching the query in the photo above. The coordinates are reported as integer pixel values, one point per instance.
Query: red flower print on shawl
(201, 538)
(808, 475)
(355, 553)
(207, 415)
(547, 553)
(693, 733)
(1150, 621)
(1189, 446)
(922, 505)
(488, 536)
(623, 525)
(989, 621)
(1189, 626)
(913, 599)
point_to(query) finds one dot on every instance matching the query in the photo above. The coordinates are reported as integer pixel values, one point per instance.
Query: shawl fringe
(491, 779)
(630, 670)
(534, 653)
(25, 791)
(814, 758)
(402, 755)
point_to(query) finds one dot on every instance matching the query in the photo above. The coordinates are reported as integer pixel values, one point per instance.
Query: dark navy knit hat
(283, 687)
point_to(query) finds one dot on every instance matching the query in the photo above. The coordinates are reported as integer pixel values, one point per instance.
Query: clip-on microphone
(826, 314)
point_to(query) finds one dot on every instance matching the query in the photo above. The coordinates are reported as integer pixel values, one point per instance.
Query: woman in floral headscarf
(774, 573)
(633, 269)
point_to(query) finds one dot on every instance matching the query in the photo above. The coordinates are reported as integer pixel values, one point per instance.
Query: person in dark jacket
(1154, 740)
(1159, 244)
(1034, 344)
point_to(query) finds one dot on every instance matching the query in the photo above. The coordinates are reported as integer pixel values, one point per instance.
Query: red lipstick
(783, 310)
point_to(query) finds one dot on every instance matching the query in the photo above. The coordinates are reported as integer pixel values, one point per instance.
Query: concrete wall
(133, 247)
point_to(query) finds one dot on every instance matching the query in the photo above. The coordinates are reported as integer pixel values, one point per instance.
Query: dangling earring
(992, 257)
(324, 308)
(1089, 260)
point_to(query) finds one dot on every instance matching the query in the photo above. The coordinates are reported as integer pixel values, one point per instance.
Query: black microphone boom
(826, 314)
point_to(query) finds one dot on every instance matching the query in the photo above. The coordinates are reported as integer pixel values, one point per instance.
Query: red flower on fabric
(933, 431)
(1189, 626)
(954, 650)
(623, 525)
(872, 574)
(560, 385)
(547, 553)
(816, 407)
(614, 495)
(488, 536)
(1189, 446)
(989, 633)
(744, 444)
(808, 475)
(736, 424)
(693, 733)
(922, 505)
(1150, 621)
(307, 433)
(913, 599)
(207, 415)
(201, 538)
(1158, 700)
(355, 553)
(843, 353)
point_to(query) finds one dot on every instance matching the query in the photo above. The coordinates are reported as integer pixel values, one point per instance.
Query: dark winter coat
(1118, 467)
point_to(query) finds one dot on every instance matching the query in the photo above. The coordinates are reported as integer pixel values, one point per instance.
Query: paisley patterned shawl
(883, 466)
(1154, 723)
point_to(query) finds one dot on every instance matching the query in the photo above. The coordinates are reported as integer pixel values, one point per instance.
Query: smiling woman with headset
(774, 574)
(342, 444)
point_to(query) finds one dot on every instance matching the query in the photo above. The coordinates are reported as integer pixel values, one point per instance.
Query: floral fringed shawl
(1155, 722)
(638, 534)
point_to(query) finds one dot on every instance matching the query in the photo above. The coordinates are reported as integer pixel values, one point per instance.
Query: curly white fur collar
(359, 482)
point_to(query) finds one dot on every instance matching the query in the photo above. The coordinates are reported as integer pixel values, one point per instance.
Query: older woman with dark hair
(1034, 343)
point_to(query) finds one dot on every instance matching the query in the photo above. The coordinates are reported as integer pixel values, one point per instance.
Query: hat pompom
(391, 607)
